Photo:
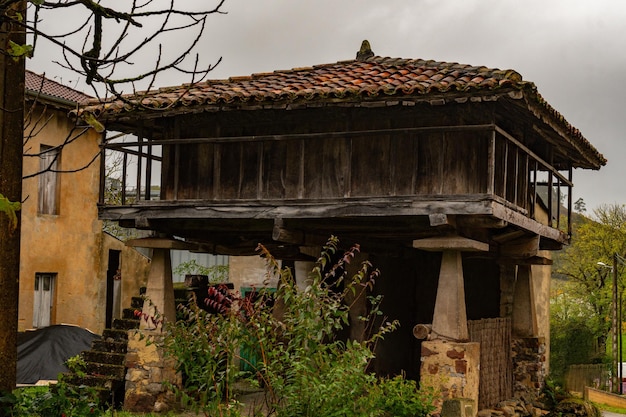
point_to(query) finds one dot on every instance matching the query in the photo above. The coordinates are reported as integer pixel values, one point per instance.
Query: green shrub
(59, 400)
(292, 348)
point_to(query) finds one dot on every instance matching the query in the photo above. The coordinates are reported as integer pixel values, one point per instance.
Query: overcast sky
(573, 50)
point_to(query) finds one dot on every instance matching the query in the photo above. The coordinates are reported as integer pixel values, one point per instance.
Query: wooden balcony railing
(419, 161)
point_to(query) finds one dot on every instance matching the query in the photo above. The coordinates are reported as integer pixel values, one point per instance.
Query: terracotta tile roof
(39, 84)
(346, 80)
(358, 81)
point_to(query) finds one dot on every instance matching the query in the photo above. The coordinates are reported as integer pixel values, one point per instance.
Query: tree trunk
(11, 144)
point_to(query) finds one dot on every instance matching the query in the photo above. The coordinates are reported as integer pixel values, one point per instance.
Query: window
(44, 296)
(49, 164)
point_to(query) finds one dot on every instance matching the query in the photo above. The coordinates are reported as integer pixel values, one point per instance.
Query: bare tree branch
(106, 46)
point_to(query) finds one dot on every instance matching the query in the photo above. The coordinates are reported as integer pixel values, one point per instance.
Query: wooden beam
(522, 248)
(282, 234)
(508, 236)
(528, 224)
(480, 222)
(533, 260)
(441, 219)
(160, 243)
(444, 243)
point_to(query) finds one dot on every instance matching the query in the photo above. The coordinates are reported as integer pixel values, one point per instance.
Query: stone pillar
(450, 316)
(449, 363)
(159, 305)
(507, 289)
(524, 317)
(529, 366)
(528, 351)
(452, 368)
(149, 374)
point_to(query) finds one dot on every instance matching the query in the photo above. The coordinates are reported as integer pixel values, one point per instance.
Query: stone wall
(451, 368)
(149, 374)
(529, 366)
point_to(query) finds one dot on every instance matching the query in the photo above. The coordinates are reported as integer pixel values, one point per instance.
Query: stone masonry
(149, 374)
(451, 368)
(529, 366)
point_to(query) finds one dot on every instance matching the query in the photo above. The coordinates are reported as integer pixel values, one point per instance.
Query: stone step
(92, 380)
(115, 335)
(129, 313)
(102, 345)
(125, 324)
(104, 357)
(116, 372)
(110, 391)
(136, 302)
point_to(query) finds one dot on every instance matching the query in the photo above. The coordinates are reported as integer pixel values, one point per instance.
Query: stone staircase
(105, 369)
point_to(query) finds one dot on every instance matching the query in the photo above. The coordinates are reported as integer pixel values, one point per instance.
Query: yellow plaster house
(68, 265)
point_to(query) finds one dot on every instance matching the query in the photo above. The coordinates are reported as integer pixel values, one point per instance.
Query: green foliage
(581, 302)
(60, 400)
(216, 273)
(553, 393)
(293, 349)
(10, 209)
(17, 51)
(77, 365)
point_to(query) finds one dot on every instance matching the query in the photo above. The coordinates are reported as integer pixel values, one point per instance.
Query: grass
(604, 407)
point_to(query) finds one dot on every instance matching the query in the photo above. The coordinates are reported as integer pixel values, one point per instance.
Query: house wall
(134, 268)
(70, 244)
(248, 271)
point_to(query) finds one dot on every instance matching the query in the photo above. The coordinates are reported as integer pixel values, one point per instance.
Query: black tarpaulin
(41, 353)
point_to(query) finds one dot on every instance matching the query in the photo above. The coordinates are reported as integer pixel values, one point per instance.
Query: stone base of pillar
(451, 368)
(529, 366)
(458, 407)
(149, 374)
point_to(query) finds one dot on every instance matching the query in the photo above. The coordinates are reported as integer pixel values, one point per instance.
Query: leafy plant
(216, 273)
(289, 341)
(10, 209)
(60, 400)
(77, 365)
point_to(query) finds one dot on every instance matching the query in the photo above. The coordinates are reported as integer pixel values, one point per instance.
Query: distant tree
(583, 285)
(103, 44)
(580, 206)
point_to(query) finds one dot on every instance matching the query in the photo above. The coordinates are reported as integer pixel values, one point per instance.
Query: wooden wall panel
(204, 175)
(275, 176)
(335, 167)
(430, 164)
(371, 166)
(228, 169)
(167, 173)
(500, 171)
(404, 164)
(249, 167)
(465, 163)
(188, 171)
